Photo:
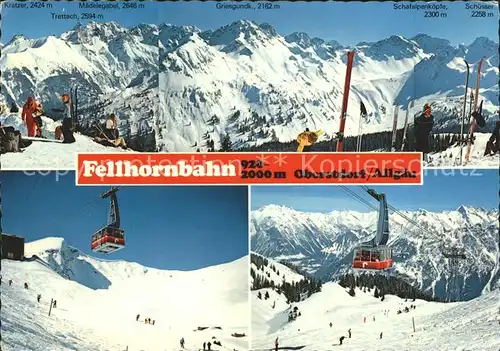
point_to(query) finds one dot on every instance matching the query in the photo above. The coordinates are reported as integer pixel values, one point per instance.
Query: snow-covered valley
(98, 302)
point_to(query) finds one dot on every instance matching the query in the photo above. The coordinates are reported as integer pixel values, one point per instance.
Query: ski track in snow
(105, 319)
(462, 326)
(48, 155)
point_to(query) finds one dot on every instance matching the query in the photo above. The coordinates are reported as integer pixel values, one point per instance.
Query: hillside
(322, 244)
(47, 155)
(92, 293)
(264, 87)
(468, 325)
(114, 68)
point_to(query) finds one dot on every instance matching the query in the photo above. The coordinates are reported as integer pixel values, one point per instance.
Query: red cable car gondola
(375, 254)
(110, 238)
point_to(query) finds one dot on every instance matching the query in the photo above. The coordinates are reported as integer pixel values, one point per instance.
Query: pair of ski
(475, 113)
(363, 115)
(340, 135)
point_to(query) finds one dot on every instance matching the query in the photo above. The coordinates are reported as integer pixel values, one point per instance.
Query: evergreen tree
(227, 145)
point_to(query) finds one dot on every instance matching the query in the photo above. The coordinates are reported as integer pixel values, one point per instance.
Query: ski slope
(98, 300)
(470, 325)
(48, 155)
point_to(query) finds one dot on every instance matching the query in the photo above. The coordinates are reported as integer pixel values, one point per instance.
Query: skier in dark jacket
(54, 305)
(209, 345)
(204, 346)
(38, 297)
(276, 344)
(349, 331)
(493, 144)
(423, 128)
(182, 342)
(26, 285)
(341, 339)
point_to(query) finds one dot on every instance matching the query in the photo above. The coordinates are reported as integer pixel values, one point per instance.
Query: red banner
(249, 168)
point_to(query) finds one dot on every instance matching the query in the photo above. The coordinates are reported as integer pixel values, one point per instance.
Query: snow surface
(296, 81)
(451, 157)
(98, 300)
(461, 326)
(322, 244)
(48, 155)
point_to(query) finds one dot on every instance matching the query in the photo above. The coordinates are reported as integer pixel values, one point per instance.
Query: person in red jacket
(29, 109)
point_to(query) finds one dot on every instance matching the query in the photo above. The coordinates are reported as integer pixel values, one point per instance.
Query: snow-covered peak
(300, 38)
(86, 34)
(239, 33)
(395, 46)
(482, 47)
(431, 44)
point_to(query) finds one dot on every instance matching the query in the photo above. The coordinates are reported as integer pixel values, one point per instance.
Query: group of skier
(38, 296)
(146, 320)
(423, 126)
(207, 346)
(32, 112)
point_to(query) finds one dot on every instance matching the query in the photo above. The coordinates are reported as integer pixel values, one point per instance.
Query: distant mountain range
(266, 87)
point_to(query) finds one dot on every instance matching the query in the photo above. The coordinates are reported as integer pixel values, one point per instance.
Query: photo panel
(393, 267)
(82, 77)
(282, 77)
(122, 268)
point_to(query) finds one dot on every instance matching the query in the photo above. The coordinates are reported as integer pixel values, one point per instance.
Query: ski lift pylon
(111, 237)
(375, 254)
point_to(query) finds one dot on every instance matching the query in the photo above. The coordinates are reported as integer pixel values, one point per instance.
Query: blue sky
(181, 228)
(38, 22)
(348, 23)
(441, 191)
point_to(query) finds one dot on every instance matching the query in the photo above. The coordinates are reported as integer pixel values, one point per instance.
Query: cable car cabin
(108, 239)
(378, 258)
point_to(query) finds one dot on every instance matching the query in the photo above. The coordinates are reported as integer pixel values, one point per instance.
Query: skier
(204, 346)
(364, 319)
(493, 144)
(38, 297)
(374, 318)
(423, 127)
(10, 282)
(380, 335)
(29, 109)
(111, 133)
(67, 122)
(349, 331)
(341, 339)
(331, 324)
(37, 118)
(276, 344)
(209, 345)
(54, 305)
(137, 317)
(153, 322)
(25, 285)
(182, 342)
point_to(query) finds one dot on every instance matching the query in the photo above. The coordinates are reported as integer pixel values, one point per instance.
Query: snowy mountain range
(264, 87)
(114, 68)
(92, 293)
(322, 244)
(364, 320)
